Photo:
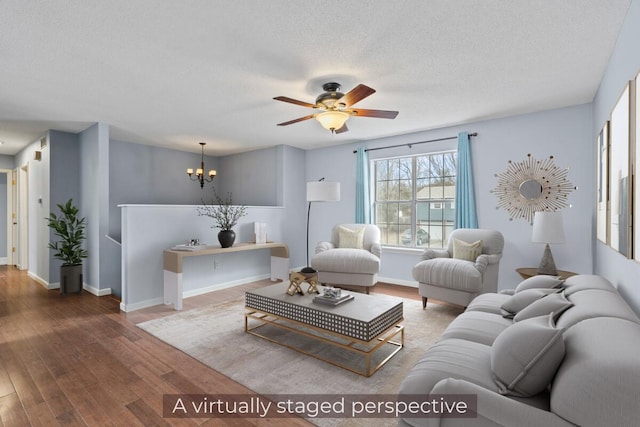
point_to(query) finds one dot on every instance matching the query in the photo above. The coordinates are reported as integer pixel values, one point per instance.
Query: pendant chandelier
(199, 175)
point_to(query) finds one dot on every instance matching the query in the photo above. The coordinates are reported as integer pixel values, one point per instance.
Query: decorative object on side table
(192, 245)
(69, 227)
(547, 228)
(295, 283)
(225, 215)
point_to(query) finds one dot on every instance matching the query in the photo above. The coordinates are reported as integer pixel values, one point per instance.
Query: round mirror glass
(530, 189)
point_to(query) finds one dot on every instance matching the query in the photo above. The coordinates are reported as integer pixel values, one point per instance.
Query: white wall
(623, 66)
(147, 230)
(38, 210)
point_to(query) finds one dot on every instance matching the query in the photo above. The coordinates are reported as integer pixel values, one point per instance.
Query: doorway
(6, 210)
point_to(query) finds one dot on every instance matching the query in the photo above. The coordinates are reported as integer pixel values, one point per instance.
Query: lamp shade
(547, 228)
(323, 191)
(332, 120)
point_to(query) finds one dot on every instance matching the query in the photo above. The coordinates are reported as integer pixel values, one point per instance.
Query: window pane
(406, 190)
(421, 219)
(405, 168)
(422, 189)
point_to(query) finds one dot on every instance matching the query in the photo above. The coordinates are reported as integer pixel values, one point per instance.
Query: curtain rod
(415, 143)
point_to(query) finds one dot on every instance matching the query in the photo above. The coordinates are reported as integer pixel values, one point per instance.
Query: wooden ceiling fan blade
(343, 129)
(356, 94)
(380, 114)
(294, 101)
(300, 119)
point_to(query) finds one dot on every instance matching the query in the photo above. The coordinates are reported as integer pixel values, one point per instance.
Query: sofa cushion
(589, 303)
(450, 358)
(344, 260)
(526, 355)
(477, 326)
(586, 281)
(598, 381)
(540, 281)
(449, 273)
(350, 238)
(489, 303)
(552, 303)
(467, 251)
(522, 299)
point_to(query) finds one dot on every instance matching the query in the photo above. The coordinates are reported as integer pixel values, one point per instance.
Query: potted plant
(69, 228)
(225, 215)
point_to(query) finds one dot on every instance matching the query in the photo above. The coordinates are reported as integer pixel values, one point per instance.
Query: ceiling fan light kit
(332, 120)
(335, 107)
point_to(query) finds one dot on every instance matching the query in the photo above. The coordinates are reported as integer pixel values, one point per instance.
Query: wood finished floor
(76, 360)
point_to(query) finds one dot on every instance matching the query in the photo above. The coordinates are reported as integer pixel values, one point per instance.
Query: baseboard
(392, 281)
(43, 282)
(95, 291)
(56, 285)
(187, 294)
(4, 260)
(219, 286)
(142, 304)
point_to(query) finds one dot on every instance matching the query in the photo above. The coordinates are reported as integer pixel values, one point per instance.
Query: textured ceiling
(175, 73)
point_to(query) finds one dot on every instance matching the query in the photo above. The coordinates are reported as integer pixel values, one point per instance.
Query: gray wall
(7, 162)
(64, 181)
(251, 177)
(623, 66)
(142, 174)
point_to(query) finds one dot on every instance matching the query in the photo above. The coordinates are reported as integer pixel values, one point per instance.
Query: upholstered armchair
(351, 258)
(467, 268)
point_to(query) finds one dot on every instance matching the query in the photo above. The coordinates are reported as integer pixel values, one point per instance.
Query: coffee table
(363, 326)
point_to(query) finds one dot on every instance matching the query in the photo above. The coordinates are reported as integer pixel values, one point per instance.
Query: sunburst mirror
(532, 185)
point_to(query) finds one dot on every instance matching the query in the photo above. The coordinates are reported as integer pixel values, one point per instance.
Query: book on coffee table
(321, 299)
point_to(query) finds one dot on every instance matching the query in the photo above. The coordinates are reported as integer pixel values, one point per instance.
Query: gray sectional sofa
(548, 353)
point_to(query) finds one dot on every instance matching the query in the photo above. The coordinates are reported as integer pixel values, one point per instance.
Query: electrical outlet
(216, 264)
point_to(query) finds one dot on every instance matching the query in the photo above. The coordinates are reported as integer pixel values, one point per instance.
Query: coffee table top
(362, 307)
(364, 317)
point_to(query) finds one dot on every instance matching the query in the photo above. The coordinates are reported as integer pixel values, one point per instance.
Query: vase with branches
(225, 215)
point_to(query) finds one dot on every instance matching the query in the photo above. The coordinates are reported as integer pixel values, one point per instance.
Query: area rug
(214, 335)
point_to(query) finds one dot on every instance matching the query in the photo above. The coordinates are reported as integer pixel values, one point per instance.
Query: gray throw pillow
(552, 303)
(522, 299)
(540, 281)
(526, 356)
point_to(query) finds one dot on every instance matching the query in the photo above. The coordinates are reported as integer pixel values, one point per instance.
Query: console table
(172, 264)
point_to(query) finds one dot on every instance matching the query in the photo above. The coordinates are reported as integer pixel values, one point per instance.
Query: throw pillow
(526, 356)
(518, 301)
(349, 238)
(553, 303)
(540, 281)
(466, 251)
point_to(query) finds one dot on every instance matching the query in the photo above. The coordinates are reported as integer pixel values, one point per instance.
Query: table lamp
(547, 228)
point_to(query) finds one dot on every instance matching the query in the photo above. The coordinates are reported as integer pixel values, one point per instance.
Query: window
(415, 199)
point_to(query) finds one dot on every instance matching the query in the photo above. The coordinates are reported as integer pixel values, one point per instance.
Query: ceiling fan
(335, 107)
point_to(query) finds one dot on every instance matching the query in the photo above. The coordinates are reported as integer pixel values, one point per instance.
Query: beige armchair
(351, 258)
(446, 277)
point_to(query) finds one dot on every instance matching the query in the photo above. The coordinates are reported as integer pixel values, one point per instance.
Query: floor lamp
(319, 191)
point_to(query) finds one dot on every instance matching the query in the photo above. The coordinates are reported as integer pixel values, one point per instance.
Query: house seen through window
(415, 199)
